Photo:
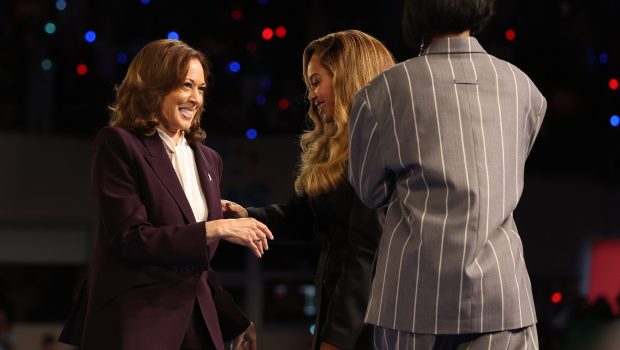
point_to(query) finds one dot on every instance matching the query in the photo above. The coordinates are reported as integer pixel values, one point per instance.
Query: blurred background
(60, 61)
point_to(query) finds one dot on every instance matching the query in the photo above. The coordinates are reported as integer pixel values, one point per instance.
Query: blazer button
(195, 273)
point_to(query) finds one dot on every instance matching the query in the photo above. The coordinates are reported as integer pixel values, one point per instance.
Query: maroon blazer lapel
(210, 185)
(162, 167)
(206, 173)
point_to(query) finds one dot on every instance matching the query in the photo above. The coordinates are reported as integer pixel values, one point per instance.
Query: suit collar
(454, 45)
(169, 143)
(155, 147)
(162, 167)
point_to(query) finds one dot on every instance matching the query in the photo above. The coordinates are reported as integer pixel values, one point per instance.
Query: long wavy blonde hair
(353, 58)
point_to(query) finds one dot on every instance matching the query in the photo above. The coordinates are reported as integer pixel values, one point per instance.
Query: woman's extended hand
(245, 340)
(246, 231)
(233, 210)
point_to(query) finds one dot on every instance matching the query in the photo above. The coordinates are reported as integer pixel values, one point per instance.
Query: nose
(311, 95)
(196, 96)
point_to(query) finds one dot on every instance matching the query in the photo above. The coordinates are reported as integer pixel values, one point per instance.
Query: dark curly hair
(423, 19)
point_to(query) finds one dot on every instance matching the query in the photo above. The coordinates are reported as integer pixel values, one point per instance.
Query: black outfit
(349, 234)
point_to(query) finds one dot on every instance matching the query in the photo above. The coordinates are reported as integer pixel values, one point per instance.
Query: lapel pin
(210, 179)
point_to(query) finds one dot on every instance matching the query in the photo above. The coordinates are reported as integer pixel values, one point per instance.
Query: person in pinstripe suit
(441, 140)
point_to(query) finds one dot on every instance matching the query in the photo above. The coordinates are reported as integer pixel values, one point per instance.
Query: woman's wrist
(212, 231)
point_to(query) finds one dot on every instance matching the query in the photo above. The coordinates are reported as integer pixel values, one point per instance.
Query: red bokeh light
(283, 103)
(280, 32)
(613, 84)
(81, 69)
(556, 297)
(267, 33)
(236, 15)
(511, 35)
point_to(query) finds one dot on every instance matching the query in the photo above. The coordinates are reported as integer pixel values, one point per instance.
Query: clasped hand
(246, 340)
(243, 231)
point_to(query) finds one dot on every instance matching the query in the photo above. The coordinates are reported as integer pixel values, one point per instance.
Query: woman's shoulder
(340, 198)
(205, 149)
(116, 138)
(114, 132)
(208, 152)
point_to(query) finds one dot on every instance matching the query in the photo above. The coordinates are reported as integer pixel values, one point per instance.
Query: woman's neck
(464, 34)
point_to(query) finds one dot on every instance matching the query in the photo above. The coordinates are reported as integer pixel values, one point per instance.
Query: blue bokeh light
(145, 2)
(251, 134)
(173, 35)
(614, 120)
(603, 58)
(61, 5)
(261, 99)
(234, 67)
(263, 2)
(122, 58)
(90, 36)
(312, 329)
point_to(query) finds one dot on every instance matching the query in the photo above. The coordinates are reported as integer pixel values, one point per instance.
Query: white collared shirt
(182, 158)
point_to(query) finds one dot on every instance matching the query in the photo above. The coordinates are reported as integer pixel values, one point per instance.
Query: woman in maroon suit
(156, 187)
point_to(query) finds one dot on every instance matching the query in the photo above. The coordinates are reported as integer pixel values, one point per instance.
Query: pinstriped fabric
(447, 190)
(466, 227)
(443, 139)
(519, 339)
(427, 191)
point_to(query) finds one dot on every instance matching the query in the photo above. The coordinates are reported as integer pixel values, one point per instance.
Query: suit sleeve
(292, 221)
(347, 308)
(537, 119)
(124, 216)
(368, 173)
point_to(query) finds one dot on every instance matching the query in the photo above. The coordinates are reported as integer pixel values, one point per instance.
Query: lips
(187, 112)
(319, 106)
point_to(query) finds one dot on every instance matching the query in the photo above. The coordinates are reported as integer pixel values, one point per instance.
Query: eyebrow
(194, 82)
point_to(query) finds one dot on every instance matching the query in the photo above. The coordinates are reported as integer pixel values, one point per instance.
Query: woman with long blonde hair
(335, 67)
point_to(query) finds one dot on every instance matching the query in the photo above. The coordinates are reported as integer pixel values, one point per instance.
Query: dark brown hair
(160, 67)
(427, 18)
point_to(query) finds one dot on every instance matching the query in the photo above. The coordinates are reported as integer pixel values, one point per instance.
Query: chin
(185, 126)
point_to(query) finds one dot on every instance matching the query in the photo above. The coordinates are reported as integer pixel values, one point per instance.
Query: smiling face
(181, 105)
(320, 89)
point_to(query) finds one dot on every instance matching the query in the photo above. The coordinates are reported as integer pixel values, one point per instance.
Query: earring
(421, 45)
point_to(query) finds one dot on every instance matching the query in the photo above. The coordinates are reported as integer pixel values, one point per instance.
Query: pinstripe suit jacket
(442, 139)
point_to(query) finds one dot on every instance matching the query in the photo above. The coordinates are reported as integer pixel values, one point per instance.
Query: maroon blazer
(151, 260)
